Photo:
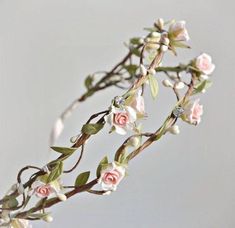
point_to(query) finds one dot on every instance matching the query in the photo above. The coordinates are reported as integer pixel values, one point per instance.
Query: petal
(119, 130)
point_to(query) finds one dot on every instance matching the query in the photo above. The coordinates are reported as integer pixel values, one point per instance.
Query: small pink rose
(111, 176)
(194, 112)
(178, 31)
(121, 118)
(42, 190)
(204, 64)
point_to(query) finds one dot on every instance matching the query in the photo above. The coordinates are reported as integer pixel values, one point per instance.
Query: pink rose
(204, 64)
(42, 190)
(111, 176)
(121, 120)
(193, 112)
(138, 104)
(178, 31)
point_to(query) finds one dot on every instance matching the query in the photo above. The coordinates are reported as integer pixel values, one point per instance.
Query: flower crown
(136, 73)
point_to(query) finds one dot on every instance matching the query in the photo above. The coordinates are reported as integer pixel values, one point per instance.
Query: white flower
(204, 64)
(178, 31)
(193, 112)
(111, 176)
(122, 120)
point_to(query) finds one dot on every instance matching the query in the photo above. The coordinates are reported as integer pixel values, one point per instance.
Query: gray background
(47, 47)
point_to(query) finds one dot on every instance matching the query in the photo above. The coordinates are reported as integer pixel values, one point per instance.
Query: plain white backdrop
(47, 47)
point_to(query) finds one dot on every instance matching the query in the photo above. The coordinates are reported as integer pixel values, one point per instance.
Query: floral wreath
(135, 73)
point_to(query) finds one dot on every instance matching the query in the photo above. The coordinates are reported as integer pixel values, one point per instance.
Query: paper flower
(193, 112)
(111, 176)
(178, 31)
(204, 64)
(121, 119)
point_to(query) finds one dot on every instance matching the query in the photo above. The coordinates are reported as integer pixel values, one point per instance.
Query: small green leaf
(153, 86)
(201, 86)
(56, 172)
(135, 51)
(82, 179)
(135, 40)
(131, 69)
(88, 81)
(103, 162)
(11, 202)
(64, 150)
(92, 129)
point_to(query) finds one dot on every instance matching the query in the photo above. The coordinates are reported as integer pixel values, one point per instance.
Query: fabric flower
(193, 112)
(111, 176)
(138, 104)
(178, 31)
(42, 190)
(204, 64)
(121, 119)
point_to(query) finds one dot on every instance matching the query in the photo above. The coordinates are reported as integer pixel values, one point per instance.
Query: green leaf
(103, 162)
(88, 81)
(135, 40)
(92, 129)
(131, 69)
(82, 179)
(11, 202)
(201, 86)
(153, 86)
(56, 172)
(64, 150)
(135, 51)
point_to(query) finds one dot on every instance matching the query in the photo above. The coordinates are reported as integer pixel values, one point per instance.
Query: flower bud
(164, 48)
(160, 23)
(166, 41)
(179, 85)
(134, 141)
(174, 130)
(21, 188)
(48, 218)
(107, 193)
(152, 71)
(155, 34)
(141, 41)
(167, 83)
(143, 70)
(62, 197)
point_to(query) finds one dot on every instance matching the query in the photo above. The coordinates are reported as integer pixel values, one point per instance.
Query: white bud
(134, 141)
(141, 41)
(147, 39)
(48, 218)
(155, 34)
(160, 23)
(14, 187)
(152, 71)
(164, 48)
(204, 90)
(174, 130)
(166, 41)
(179, 85)
(107, 193)
(143, 70)
(204, 77)
(167, 83)
(62, 197)
(21, 188)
